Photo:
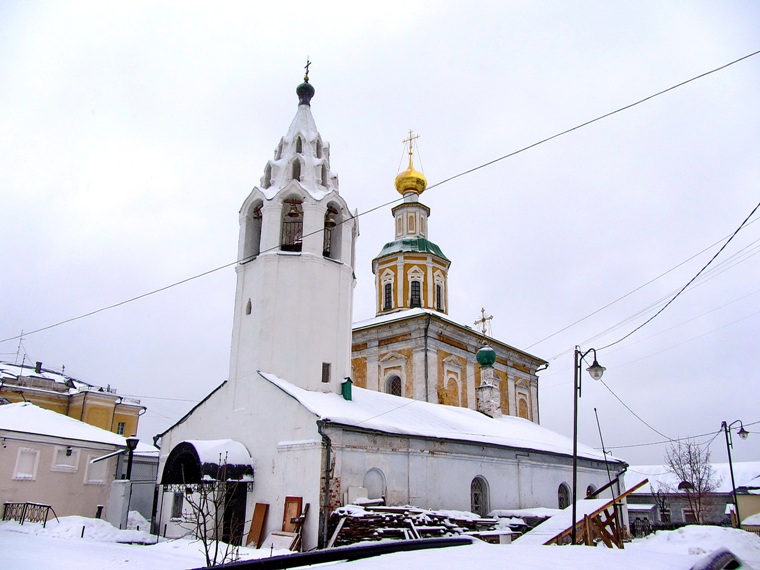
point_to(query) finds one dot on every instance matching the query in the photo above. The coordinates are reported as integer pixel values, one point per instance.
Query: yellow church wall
(47, 400)
(130, 423)
(359, 367)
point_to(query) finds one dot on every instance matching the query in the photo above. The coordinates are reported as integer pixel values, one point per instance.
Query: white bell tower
(295, 278)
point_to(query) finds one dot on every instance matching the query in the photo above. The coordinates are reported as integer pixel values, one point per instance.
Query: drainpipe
(427, 328)
(326, 497)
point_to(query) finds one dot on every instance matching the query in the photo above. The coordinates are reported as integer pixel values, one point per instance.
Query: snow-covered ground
(62, 546)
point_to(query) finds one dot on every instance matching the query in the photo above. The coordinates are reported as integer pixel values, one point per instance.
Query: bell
(293, 212)
(330, 220)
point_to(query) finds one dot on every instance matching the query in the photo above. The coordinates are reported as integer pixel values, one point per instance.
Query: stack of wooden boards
(352, 524)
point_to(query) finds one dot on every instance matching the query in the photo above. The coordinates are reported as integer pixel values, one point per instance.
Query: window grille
(120, 427)
(393, 386)
(416, 300)
(479, 496)
(325, 372)
(387, 296)
(563, 496)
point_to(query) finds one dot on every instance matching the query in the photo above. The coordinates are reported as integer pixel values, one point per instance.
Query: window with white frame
(65, 459)
(96, 473)
(27, 461)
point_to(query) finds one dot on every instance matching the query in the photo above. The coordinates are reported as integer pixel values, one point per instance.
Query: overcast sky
(131, 132)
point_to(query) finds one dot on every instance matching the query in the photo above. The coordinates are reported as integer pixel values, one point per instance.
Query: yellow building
(94, 405)
(411, 348)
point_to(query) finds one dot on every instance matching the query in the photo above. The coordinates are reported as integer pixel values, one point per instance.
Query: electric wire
(440, 183)
(650, 319)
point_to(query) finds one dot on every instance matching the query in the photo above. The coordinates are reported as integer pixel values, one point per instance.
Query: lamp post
(131, 445)
(743, 433)
(596, 371)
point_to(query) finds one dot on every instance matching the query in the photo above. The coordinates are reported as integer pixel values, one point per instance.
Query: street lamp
(596, 371)
(744, 434)
(131, 445)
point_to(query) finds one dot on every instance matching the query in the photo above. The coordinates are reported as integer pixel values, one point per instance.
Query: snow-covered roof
(219, 451)
(10, 371)
(746, 474)
(402, 416)
(26, 418)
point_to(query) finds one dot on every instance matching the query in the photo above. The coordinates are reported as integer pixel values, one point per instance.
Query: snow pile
(83, 528)
(701, 540)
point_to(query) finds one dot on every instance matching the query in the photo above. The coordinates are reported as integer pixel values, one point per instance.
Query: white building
(288, 419)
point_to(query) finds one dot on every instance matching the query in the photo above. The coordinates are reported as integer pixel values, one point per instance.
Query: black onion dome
(305, 92)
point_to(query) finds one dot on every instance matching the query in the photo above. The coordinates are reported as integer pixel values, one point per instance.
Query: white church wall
(288, 290)
(281, 437)
(437, 474)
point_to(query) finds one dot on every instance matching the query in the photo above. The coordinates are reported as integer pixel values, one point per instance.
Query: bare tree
(208, 516)
(690, 463)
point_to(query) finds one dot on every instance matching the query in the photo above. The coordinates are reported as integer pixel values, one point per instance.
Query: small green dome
(486, 356)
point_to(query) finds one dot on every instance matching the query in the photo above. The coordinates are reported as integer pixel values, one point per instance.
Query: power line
(650, 319)
(444, 181)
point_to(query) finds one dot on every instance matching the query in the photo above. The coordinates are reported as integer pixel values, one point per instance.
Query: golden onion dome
(411, 180)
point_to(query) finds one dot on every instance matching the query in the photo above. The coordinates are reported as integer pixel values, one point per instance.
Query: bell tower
(295, 278)
(411, 271)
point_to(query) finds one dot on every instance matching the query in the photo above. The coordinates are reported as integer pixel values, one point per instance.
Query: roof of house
(746, 474)
(26, 418)
(386, 413)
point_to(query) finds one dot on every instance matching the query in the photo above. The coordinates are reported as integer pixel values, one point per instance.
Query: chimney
(37, 367)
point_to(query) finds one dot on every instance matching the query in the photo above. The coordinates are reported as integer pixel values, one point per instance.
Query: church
(409, 407)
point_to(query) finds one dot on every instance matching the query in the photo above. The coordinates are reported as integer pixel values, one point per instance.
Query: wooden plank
(292, 511)
(280, 540)
(334, 536)
(257, 524)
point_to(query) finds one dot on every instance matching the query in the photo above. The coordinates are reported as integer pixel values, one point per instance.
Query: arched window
(393, 385)
(319, 148)
(324, 175)
(292, 226)
(416, 297)
(590, 490)
(296, 173)
(439, 297)
(563, 496)
(387, 296)
(251, 247)
(299, 145)
(479, 496)
(374, 482)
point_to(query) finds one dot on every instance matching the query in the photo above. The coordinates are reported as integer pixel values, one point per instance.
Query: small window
(324, 175)
(177, 503)
(590, 490)
(120, 427)
(65, 459)
(248, 307)
(387, 296)
(563, 496)
(393, 386)
(299, 145)
(325, 372)
(479, 496)
(297, 170)
(416, 300)
(439, 298)
(27, 461)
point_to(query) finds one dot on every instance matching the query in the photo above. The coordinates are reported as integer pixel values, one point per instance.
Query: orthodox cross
(306, 67)
(412, 137)
(483, 322)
